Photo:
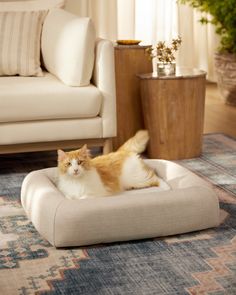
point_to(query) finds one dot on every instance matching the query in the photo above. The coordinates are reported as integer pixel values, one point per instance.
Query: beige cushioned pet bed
(183, 203)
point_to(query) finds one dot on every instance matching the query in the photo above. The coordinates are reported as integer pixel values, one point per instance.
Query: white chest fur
(88, 185)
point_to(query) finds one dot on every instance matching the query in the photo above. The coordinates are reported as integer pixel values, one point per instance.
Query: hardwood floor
(219, 117)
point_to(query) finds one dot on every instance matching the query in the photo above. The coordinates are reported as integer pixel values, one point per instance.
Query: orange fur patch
(109, 168)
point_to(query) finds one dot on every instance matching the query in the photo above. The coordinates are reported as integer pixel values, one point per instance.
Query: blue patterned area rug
(202, 262)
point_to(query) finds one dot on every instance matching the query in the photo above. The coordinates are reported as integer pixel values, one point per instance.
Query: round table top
(181, 73)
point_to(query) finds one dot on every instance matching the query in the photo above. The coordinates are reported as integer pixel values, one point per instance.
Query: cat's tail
(137, 143)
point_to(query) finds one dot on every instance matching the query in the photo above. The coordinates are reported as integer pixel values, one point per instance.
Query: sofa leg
(107, 147)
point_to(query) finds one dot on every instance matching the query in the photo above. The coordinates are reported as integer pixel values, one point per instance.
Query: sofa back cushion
(20, 35)
(68, 45)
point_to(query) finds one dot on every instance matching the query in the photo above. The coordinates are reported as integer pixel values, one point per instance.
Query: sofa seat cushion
(188, 205)
(46, 98)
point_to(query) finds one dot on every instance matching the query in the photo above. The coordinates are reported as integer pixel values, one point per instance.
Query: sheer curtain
(199, 41)
(151, 21)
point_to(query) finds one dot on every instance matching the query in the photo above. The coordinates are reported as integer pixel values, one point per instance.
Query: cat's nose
(76, 170)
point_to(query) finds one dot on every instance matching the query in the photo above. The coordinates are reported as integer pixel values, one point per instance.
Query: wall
(79, 7)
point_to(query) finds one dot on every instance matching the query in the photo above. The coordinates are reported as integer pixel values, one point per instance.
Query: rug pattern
(202, 262)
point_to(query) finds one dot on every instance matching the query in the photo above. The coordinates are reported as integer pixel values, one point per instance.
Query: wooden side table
(129, 61)
(173, 110)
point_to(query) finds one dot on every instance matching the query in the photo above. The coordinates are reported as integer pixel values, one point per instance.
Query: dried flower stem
(164, 53)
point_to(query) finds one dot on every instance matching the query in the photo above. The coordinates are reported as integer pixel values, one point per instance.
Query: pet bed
(183, 203)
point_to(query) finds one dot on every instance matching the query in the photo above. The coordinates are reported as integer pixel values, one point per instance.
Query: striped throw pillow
(20, 33)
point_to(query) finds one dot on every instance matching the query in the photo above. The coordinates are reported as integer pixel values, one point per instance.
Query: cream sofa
(49, 112)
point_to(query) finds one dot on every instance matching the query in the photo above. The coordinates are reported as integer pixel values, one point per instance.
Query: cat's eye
(68, 164)
(79, 162)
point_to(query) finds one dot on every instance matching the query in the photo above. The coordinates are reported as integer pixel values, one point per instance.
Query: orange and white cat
(81, 177)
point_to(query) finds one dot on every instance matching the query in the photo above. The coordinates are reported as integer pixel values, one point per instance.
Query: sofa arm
(104, 79)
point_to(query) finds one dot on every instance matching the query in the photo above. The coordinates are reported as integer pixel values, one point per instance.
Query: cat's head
(74, 163)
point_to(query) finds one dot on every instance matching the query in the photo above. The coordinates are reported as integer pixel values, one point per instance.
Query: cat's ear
(61, 155)
(85, 151)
